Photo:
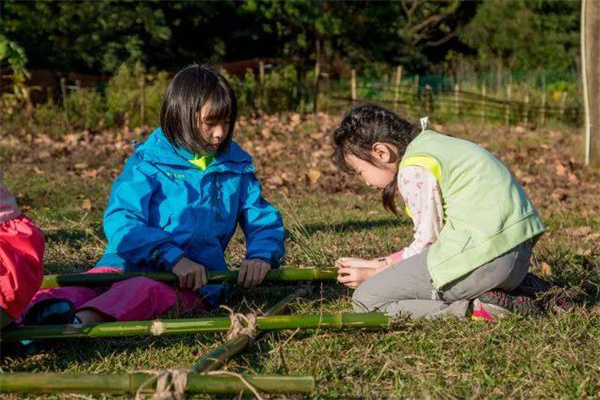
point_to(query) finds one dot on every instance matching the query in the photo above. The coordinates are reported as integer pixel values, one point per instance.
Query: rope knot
(241, 324)
(170, 384)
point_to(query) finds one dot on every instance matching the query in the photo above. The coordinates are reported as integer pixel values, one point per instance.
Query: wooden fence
(511, 105)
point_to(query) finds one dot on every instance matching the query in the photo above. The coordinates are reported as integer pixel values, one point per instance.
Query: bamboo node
(157, 328)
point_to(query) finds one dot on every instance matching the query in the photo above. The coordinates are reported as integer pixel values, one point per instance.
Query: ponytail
(388, 197)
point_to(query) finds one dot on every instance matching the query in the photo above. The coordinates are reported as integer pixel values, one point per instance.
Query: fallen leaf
(545, 269)
(39, 171)
(275, 180)
(44, 154)
(585, 253)
(560, 169)
(313, 176)
(86, 204)
(266, 132)
(92, 173)
(559, 195)
(295, 119)
(594, 236)
(572, 178)
(579, 231)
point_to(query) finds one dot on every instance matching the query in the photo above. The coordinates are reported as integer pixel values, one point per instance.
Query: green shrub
(86, 108)
(49, 118)
(245, 91)
(124, 96)
(280, 85)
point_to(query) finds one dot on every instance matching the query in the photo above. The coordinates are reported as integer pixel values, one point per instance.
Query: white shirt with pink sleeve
(421, 194)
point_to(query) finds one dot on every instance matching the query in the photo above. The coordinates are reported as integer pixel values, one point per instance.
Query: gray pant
(406, 287)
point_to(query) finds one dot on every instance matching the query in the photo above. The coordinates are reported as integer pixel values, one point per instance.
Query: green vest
(486, 211)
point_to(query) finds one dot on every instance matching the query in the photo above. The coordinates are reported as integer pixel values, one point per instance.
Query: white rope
(170, 384)
(241, 324)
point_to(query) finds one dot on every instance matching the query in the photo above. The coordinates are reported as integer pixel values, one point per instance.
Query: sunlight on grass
(553, 357)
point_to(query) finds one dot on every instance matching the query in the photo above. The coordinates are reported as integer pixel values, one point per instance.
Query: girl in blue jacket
(176, 206)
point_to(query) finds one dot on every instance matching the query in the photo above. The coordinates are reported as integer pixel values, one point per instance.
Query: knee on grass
(365, 301)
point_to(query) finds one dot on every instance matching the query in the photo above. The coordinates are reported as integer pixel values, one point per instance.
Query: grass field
(63, 183)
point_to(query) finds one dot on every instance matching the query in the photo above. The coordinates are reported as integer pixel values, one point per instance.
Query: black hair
(361, 128)
(192, 88)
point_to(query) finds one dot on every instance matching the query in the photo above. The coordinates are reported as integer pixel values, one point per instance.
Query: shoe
(56, 311)
(497, 303)
(552, 297)
(486, 312)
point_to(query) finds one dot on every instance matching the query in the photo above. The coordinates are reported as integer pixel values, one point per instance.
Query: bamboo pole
(274, 275)
(317, 77)
(316, 93)
(590, 79)
(261, 72)
(261, 79)
(563, 103)
(63, 90)
(526, 111)
(19, 382)
(193, 325)
(219, 356)
(483, 94)
(88, 106)
(397, 82)
(353, 85)
(142, 100)
(456, 100)
(427, 95)
(508, 101)
(543, 115)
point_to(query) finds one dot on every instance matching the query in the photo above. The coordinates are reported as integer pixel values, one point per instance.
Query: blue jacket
(162, 208)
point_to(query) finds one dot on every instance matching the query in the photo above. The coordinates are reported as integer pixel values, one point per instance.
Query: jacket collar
(158, 150)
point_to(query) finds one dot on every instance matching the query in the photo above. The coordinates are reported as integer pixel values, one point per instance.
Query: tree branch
(409, 11)
(441, 41)
(433, 19)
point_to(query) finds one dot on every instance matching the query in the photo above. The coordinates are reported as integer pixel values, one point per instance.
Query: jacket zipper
(217, 197)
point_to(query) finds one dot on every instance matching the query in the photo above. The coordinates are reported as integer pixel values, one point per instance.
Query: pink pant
(134, 299)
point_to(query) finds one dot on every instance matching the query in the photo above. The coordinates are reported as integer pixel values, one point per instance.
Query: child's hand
(353, 277)
(356, 263)
(252, 272)
(191, 275)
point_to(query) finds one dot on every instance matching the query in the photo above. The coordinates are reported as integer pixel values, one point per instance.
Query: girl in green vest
(474, 225)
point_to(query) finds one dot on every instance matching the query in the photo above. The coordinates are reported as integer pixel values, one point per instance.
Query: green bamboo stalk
(219, 356)
(129, 383)
(275, 275)
(192, 325)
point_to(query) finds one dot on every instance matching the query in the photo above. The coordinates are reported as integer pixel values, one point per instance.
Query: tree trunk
(590, 57)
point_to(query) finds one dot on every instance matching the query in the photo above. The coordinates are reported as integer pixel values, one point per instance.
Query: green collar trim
(202, 162)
